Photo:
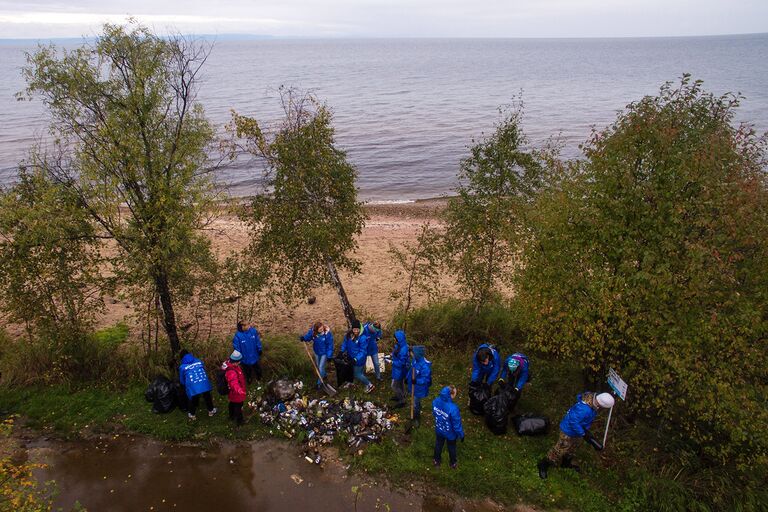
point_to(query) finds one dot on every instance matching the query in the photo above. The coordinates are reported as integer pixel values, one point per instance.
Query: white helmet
(605, 400)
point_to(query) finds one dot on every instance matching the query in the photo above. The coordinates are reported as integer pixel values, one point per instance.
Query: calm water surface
(406, 110)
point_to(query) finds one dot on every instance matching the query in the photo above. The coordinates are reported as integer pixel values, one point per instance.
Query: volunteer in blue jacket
(322, 346)
(400, 367)
(515, 371)
(248, 342)
(447, 425)
(193, 377)
(348, 343)
(575, 426)
(419, 379)
(354, 345)
(486, 364)
(370, 336)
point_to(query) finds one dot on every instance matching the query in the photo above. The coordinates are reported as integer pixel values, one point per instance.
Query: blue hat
(236, 356)
(512, 364)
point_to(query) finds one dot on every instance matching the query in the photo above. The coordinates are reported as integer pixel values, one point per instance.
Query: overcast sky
(391, 18)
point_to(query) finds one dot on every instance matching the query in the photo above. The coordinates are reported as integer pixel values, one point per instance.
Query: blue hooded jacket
(347, 346)
(322, 343)
(192, 376)
(447, 416)
(423, 370)
(579, 417)
(369, 338)
(491, 370)
(400, 361)
(522, 374)
(248, 343)
(355, 349)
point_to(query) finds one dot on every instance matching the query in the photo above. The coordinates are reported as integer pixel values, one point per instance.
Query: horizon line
(237, 35)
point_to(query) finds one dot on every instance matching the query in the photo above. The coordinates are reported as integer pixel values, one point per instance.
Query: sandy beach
(370, 291)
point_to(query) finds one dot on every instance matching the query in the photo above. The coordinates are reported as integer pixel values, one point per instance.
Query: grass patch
(501, 467)
(111, 337)
(80, 410)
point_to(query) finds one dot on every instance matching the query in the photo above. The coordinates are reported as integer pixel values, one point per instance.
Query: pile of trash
(319, 421)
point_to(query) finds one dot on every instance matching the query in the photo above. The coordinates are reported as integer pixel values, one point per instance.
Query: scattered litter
(319, 421)
(313, 456)
(296, 479)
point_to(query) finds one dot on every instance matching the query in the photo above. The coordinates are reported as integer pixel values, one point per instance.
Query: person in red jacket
(236, 382)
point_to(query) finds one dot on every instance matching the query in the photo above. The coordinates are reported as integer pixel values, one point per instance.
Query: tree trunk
(409, 293)
(349, 313)
(169, 317)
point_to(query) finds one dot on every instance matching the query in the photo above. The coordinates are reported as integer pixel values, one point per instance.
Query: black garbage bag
(497, 413)
(512, 395)
(531, 424)
(162, 394)
(478, 394)
(344, 369)
(149, 394)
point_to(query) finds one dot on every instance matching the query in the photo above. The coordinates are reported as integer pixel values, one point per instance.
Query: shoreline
(427, 208)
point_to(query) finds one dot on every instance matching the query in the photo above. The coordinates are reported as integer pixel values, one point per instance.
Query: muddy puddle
(127, 473)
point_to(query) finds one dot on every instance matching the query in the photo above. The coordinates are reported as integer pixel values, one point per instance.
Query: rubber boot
(416, 418)
(567, 462)
(543, 465)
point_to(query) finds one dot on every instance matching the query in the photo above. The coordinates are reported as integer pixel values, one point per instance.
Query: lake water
(406, 109)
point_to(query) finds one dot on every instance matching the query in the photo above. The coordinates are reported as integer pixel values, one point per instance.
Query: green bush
(649, 256)
(59, 358)
(674, 489)
(457, 324)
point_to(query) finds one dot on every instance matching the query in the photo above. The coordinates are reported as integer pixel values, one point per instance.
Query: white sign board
(617, 384)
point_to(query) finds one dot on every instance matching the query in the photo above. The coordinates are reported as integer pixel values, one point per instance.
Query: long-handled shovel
(326, 387)
(409, 426)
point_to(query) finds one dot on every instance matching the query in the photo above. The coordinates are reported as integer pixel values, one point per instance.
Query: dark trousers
(439, 442)
(195, 400)
(251, 370)
(236, 412)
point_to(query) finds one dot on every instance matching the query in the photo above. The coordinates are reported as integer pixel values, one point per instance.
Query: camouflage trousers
(566, 445)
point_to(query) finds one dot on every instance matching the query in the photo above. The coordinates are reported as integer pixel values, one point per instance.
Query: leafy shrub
(102, 357)
(650, 256)
(458, 324)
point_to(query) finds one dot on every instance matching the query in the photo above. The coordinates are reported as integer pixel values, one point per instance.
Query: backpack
(222, 386)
